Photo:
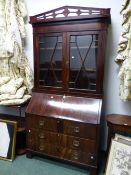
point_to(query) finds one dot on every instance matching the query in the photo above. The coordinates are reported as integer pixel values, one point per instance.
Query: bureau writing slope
(63, 116)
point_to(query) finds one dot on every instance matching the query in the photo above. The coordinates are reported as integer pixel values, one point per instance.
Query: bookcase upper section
(69, 49)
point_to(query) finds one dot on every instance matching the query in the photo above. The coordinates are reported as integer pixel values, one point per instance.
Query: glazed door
(50, 60)
(70, 62)
(83, 64)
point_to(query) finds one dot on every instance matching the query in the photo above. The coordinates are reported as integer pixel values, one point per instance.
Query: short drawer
(76, 143)
(40, 144)
(80, 129)
(50, 150)
(42, 123)
(80, 157)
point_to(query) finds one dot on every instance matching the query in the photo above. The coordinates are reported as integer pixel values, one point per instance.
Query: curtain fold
(124, 53)
(14, 65)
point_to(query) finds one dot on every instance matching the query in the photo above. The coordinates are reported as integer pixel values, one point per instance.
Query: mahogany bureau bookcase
(63, 116)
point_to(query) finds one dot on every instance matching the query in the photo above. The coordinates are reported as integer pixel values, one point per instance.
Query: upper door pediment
(69, 13)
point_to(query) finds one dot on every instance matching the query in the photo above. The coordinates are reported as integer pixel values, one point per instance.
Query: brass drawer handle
(75, 156)
(42, 136)
(76, 143)
(76, 129)
(41, 123)
(41, 147)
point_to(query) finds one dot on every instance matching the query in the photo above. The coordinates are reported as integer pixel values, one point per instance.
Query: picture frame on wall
(119, 159)
(7, 139)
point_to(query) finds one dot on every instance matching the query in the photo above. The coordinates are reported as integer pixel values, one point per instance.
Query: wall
(112, 102)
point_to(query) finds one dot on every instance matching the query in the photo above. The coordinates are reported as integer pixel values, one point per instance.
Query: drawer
(38, 122)
(85, 145)
(40, 144)
(41, 137)
(35, 137)
(67, 154)
(51, 150)
(65, 147)
(66, 127)
(80, 129)
(80, 157)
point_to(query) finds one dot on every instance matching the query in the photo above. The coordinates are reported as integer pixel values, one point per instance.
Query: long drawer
(36, 138)
(66, 154)
(73, 128)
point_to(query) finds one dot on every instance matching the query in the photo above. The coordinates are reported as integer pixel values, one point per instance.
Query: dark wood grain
(117, 123)
(65, 29)
(65, 127)
(63, 116)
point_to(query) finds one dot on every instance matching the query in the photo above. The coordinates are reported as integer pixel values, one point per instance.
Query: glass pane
(50, 60)
(83, 51)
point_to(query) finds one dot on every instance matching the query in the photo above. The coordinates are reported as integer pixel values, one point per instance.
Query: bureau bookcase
(63, 116)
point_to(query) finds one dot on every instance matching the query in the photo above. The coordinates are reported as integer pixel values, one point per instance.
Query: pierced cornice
(69, 13)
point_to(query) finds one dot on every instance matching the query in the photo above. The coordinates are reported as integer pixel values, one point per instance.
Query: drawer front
(80, 157)
(50, 149)
(75, 156)
(85, 145)
(80, 129)
(42, 123)
(72, 128)
(37, 138)
(67, 154)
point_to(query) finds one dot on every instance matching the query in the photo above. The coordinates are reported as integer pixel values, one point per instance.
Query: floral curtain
(16, 78)
(124, 52)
